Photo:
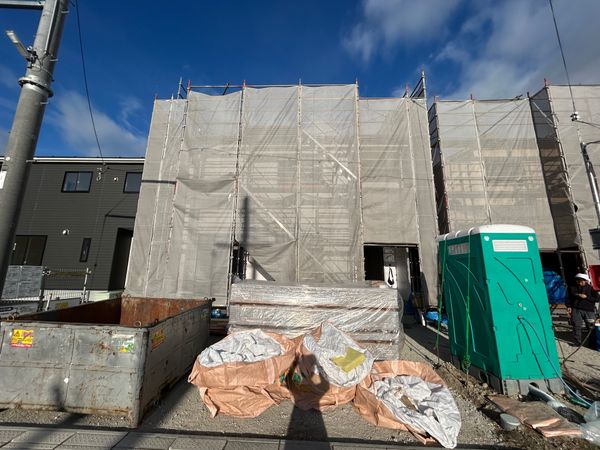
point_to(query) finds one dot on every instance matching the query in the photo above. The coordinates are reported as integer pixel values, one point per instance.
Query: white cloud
(399, 91)
(507, 48)
(387, 23)
(130, 106)
(71, 117)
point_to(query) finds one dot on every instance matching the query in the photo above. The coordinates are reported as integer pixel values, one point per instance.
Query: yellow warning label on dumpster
(22, 338)
(157, 338)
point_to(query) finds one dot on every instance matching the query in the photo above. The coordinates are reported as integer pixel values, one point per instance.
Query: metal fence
(31, 288)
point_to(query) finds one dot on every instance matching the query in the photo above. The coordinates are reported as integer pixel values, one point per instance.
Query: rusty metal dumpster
(114, 357)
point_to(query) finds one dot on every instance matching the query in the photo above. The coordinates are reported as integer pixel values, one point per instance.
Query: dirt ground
(181, 410)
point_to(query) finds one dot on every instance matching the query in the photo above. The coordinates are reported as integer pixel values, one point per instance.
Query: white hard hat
(583, 276)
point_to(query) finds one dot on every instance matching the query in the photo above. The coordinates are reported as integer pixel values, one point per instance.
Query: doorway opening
(396, 265)
(118, 271)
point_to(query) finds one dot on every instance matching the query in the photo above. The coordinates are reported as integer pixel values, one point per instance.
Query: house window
(133, 181)
(77, 182)
(85, 249)
(28, 250)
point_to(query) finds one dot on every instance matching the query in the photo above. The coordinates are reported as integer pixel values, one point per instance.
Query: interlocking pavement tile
(358, 447)
(29, 446)
(9, 435)
(198, 444)
(82, 447)
(44, 436)
(145, 441)
(243, 444)
(105, 439)
(304, 445)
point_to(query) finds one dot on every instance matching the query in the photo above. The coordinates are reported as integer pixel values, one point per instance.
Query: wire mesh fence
(38, 288)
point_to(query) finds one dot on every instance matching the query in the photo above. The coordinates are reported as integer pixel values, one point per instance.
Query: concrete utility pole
(35, 91)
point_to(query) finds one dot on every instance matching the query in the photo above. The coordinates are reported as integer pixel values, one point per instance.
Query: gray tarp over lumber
(279, 171)
(487, 167)
(568, 187)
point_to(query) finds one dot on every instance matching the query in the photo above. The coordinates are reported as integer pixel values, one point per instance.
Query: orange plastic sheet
(245, 389)
(538, 416)
(374, 411)
(309, 384)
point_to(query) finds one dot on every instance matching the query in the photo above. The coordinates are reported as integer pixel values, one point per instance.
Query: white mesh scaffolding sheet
(295, 205)
(151, 244)
(486, 154)
(568, 186)
(397, 180)
(299, 192)
(183, 226)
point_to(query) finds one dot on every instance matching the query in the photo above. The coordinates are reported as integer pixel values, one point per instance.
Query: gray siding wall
(97, 214)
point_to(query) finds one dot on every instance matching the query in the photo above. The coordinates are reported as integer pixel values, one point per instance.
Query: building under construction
(296, 183)
(487, 168)
(520, 161)
(561, 141)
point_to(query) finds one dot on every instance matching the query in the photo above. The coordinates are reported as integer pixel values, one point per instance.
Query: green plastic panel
(498, 313)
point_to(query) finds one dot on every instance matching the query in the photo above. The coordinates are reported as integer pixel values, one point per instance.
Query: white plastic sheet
(433, 410)
(371, 316)
(247, 346)
(334, 343)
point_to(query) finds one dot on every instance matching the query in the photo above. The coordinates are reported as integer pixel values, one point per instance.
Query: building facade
(311, 183)
(78, 214)
(561, 141)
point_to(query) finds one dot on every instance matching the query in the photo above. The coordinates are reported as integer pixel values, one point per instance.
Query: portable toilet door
(499, 322)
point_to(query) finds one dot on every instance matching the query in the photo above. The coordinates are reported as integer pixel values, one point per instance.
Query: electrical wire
(440, 301)
(85, 81)
(556, 370)
(562, 54)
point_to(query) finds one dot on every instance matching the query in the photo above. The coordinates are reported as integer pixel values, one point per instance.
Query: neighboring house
(79, 213)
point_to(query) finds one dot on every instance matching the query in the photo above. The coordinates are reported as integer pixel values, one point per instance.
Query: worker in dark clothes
(581, 305)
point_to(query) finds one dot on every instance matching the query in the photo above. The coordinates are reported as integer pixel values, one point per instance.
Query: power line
(562, 54)
(85, 81)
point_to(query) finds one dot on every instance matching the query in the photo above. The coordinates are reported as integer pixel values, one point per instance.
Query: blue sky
(138, 49)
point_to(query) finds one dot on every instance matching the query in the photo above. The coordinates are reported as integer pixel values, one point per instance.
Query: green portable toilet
(499, 321)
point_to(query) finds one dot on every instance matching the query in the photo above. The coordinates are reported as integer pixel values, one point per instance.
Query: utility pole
(35, 91)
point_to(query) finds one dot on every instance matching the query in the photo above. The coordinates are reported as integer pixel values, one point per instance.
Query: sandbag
(538, 415)
(244, 374)
(316, 381)
(377, 401)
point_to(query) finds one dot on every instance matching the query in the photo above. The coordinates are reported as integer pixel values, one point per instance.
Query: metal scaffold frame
(274, 172)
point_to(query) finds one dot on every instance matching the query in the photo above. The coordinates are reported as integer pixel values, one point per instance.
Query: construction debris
(406, 395)
(250, 371)
(241, 375)
(537, 415)
(317, 382)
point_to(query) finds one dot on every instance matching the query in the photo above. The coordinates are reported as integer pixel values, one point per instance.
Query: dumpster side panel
(172, 348)
(34, 361)
(102, 312)
(105, 374)
(144, 312)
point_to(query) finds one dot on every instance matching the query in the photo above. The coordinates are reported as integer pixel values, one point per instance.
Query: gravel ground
(181, 410)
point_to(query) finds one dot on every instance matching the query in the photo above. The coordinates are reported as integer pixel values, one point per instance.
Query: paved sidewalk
(44, 438)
